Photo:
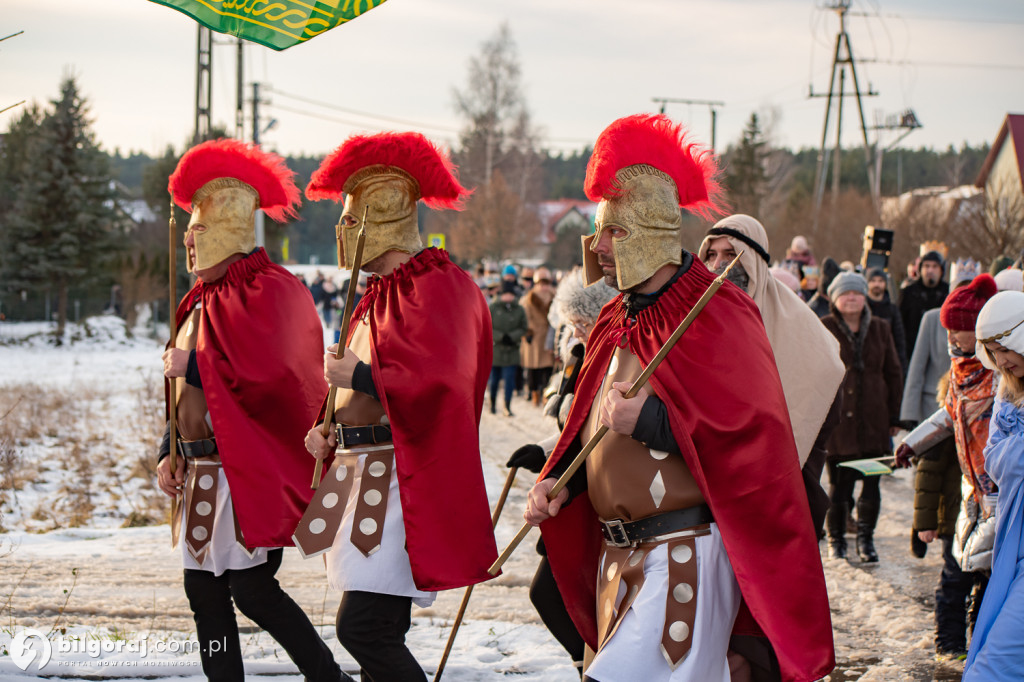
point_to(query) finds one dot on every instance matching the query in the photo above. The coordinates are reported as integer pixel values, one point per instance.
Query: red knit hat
(960, 311)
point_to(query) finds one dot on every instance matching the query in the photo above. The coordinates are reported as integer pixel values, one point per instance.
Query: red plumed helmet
(265, 172)
(653, 139)
(410, 152)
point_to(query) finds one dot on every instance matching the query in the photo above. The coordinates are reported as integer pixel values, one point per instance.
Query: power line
(918, 17)
(945, 65)
(355, 112)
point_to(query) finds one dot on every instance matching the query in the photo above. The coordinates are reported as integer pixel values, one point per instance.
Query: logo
(23, 653)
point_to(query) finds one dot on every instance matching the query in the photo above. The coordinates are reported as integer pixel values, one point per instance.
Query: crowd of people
(692, 500)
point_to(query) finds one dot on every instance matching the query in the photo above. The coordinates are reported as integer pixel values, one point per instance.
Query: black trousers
(372, 628)
(548, 601)
(258, 595)
(951, 602)
(842, 480)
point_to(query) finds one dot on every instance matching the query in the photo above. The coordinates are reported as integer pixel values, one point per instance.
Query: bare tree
(488, 229)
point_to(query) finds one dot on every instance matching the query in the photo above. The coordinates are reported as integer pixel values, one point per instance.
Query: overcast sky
(958, 65)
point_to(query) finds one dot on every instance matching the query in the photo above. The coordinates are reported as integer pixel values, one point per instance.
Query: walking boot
(508, 409)
(867, 517)
(835, 525)
(494, 401)
(536, 398)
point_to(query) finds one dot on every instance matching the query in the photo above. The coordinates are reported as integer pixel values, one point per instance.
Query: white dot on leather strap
(373, 497)
(613, 568)
(637, 557)
(682, 593)
(681, 553)
(367, 526)
(199, 533)
(317, 526)
(204, 508)
(659, 454)
(330, 499)
(377, 469)
(679, 631)
(608, 608)
(206, 481)
(341, 472)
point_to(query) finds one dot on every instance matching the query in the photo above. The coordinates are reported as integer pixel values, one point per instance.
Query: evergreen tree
(745, 178)
(62, 230)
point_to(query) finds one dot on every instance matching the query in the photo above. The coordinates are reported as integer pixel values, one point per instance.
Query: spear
(339, 353)
(469, 589)
(172, 229)
(563, 480)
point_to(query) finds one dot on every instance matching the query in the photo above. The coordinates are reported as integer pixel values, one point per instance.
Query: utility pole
(258, 218)
(842, 59)
(240, 93)
(711, 104)
(204, 84)
(905, 121)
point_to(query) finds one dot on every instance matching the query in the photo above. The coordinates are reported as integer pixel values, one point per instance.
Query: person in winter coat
(871, 391)
(883, 308)
(819, 303)
(537, 358)
(965, 415)
(508, 321)
(997, 647)
(922, 295)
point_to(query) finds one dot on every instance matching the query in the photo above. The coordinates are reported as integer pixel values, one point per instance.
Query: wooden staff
(339, 353)
(563, 480)
(469, 590)
(172, 229)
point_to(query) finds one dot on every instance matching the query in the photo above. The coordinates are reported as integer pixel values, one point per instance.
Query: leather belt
(362, 435)
(197, 448)
(620, 533)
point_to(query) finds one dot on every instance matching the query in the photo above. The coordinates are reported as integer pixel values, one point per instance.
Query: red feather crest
(655, 140)
(410, 152)
(266, 172)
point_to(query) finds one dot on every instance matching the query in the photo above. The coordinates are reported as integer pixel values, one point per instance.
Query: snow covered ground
(85, 556)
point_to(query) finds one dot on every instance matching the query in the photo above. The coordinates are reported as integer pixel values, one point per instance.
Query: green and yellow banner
(278, 24)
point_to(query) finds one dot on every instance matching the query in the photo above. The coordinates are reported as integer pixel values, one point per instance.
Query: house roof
(1012, 128)
(553, 212)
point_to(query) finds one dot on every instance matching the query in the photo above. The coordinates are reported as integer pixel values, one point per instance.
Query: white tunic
(386, 571)
(223, 553)
(634, 650)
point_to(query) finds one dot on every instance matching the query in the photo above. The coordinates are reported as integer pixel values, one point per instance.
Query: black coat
(915, 300)
(888, 311)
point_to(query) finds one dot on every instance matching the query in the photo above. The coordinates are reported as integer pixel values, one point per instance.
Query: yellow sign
(436, 240)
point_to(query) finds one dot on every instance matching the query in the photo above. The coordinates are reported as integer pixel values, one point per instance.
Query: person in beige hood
(806, 354)
(537, 357)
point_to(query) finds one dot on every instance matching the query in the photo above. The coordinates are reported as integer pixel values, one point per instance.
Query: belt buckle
(617, 533)
(340, 430)
(181, 448)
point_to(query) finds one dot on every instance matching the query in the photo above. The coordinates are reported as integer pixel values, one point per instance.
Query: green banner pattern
(278, 24)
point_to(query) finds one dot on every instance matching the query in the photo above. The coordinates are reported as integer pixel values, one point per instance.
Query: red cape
(260, 354)
(729, 417)
(431, 348)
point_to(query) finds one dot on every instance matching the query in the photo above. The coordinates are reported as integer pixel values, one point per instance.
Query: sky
(959, 66)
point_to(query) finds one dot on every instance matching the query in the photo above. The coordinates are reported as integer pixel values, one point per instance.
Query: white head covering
(1010, 279)
(1001, 320)
(806, 354)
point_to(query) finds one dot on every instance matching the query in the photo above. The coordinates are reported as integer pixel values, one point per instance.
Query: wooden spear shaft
(172, 229)
(563, 480)
(339, 353)
(469, 590)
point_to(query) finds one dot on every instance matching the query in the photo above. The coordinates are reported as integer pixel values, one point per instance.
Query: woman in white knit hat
(997, 647)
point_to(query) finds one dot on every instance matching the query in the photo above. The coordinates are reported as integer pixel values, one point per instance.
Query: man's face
(876, 287)
(720, 252)
(606, 252)
(931, 273)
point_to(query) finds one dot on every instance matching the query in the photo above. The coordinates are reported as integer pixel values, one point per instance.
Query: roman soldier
(689, 521)
(403, 428)
(246, 352)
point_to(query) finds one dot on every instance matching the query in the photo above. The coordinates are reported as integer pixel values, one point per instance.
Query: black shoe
(918, 547)
(508, 411)
(837, 548)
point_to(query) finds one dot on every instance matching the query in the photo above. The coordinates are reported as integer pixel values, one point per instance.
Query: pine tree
(745, 179)
(62, 230)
